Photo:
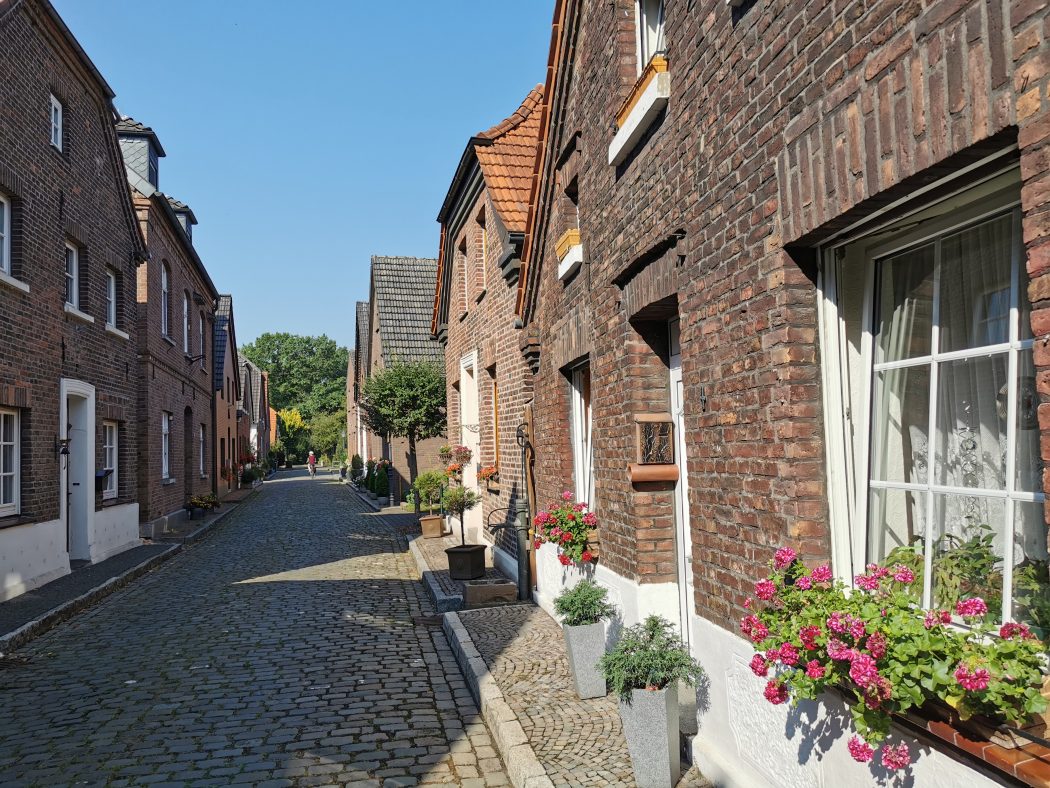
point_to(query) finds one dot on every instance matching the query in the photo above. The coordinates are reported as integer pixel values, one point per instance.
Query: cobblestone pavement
(294, 646)
(579, 742)
(433, 551)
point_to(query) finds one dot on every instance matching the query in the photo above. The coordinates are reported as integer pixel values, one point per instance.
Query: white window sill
(14, 284)
(571, 262)
(168, 339)
(116, 332)
(166, 482)
(650, 102)
(83, 317)
(109, 496)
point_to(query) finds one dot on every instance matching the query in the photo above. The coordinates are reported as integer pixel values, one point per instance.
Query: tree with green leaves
(326, 433)
(406, 400)
(294, 432)
(308, 373)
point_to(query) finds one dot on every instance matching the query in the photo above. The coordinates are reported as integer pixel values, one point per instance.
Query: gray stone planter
(585, 645)
(650, 725)
(383, 500)
(372, 495)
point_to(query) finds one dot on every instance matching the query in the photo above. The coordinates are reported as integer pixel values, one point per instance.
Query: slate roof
(130, 127)
(403, 288)
(180, 207)
(251, 384)
(508, 160)
(223, 320)
(362, 345)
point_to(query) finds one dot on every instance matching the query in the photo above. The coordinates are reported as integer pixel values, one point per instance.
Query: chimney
(141, 149)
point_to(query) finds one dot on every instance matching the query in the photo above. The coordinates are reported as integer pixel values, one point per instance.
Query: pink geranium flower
(822, 574)
(859, 749)
(1012, 629)
(759, 666)
(564, 560)
(783, 558)
(863, 670)
(566, 496)
(804, 583)
(808, 636)
(765, 589)
(974, 607)
(972, 680)
(776, 693)
(876, 645)
(903, 574)
(896, 757)
(815, 670)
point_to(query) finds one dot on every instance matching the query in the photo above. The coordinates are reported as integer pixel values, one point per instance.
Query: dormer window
(650, 31)
(56, 123)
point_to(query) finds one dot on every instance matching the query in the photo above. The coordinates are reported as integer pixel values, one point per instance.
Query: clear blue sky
(308, 136)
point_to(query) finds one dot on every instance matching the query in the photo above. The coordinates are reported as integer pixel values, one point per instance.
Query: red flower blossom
(859, 749)
(776, 693)
(564, 559)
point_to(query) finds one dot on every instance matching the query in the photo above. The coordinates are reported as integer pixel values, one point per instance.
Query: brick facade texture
(77, 195)
(784, 121)
(167, 381)
(227, 431)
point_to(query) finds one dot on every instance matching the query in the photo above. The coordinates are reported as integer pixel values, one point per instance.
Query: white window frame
(165, 445)
(111, 458)
(5, 234)
(645, 48)
(165, 300)
(186, 323)
(56, 113)
(203, 440)
(848, 409)
(111, 298)
(12, 506)
(582, 418)
(72, 276)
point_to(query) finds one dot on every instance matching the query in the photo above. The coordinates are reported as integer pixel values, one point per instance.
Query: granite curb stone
(443, 602)
(523, 767)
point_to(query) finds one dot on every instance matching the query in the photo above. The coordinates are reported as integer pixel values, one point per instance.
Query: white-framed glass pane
(109, 450)
(9, 461)
(905, 305)
(1030, 571)
(1028, 462)
(111, 298)
(186, 324)
(71, 276)
(5, 245)
(581, 434)
(975, 289)
(165, 300)
(900, 428)
(897, 529)
(967, 544)
(56, 123)
(650, 30)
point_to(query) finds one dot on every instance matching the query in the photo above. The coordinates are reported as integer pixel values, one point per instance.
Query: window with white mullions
(650, 22)
(5, 235)
(111, 299)
(10, 462)
(110, 448)
(583, 464)
(933, 352)
(72, 276)
(165, 445)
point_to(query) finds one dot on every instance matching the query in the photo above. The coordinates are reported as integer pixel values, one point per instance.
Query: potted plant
(644, 670)
(490, 476)
(887, 656)
(461, 454)
(428, 491)
(465, 561)
(582, 609)
(382, 490)
(356, 466)
(571, 528)
(445, 454)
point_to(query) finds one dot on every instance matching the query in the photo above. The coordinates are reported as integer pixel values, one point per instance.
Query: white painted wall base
(745, 741)
(31, 555)
(116, 529)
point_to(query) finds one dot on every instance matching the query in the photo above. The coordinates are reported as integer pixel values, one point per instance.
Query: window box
(570, 253)
(646, 100)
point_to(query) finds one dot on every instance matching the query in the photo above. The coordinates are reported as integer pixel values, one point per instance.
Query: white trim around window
(111, 298)
(186, 323)
(649, 24)
(580, 418)
(10, 462)
(72, 256)
(111, 458)
(5, 235)
(165, 445)
(203, 440)
(929, 392)
(165, 300)
(56, 113)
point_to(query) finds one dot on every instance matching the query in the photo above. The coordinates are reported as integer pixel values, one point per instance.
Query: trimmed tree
(405, 400)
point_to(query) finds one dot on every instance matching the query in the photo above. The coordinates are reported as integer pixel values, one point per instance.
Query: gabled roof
(361, 343)
(251, 388)
(403, 289)
(180, 207)
(507, 162)
(129, 127)
(224, 332)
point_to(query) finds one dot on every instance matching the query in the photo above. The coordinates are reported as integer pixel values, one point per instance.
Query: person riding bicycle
(311, 462)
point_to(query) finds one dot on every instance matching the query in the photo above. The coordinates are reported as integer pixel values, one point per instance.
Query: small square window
(56, 122)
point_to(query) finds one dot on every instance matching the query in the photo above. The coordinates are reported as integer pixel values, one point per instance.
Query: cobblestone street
(294, 646)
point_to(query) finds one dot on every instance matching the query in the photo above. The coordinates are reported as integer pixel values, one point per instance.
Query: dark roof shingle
(404, 293)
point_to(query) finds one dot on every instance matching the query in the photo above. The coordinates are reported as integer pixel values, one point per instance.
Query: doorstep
(446, 594)
(514, 660)
(34, 612)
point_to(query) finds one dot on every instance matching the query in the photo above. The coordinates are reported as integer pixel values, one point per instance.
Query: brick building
(175, 321)
(398, 330)
(255, 403)
(357, 365)
(226, 385)
(69, 246)
(482, 229)
(812, 238)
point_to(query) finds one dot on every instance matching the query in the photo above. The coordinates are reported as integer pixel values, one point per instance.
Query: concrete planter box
(466, 562)
(478, 593)
(432, 525)
(650, 725)
(585, 645)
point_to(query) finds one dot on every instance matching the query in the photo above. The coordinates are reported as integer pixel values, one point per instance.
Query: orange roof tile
(507, 161)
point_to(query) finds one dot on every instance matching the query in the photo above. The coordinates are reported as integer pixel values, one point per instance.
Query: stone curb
(375, 507)
(443, 603)
(66, 610)
(523, 767)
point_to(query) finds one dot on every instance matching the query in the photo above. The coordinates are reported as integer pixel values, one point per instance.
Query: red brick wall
(226, 423)
(487, 329)
(167, 382)
(779, 124)
(79, 195)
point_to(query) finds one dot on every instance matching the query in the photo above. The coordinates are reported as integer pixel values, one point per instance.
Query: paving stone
(293, 646)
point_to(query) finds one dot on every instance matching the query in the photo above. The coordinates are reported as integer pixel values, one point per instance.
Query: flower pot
(432, 525)
(650, 725)
(592, 542)
(466, 562)
(585, 645)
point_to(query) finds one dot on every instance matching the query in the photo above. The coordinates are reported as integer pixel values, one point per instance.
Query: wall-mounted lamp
(62, 446)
